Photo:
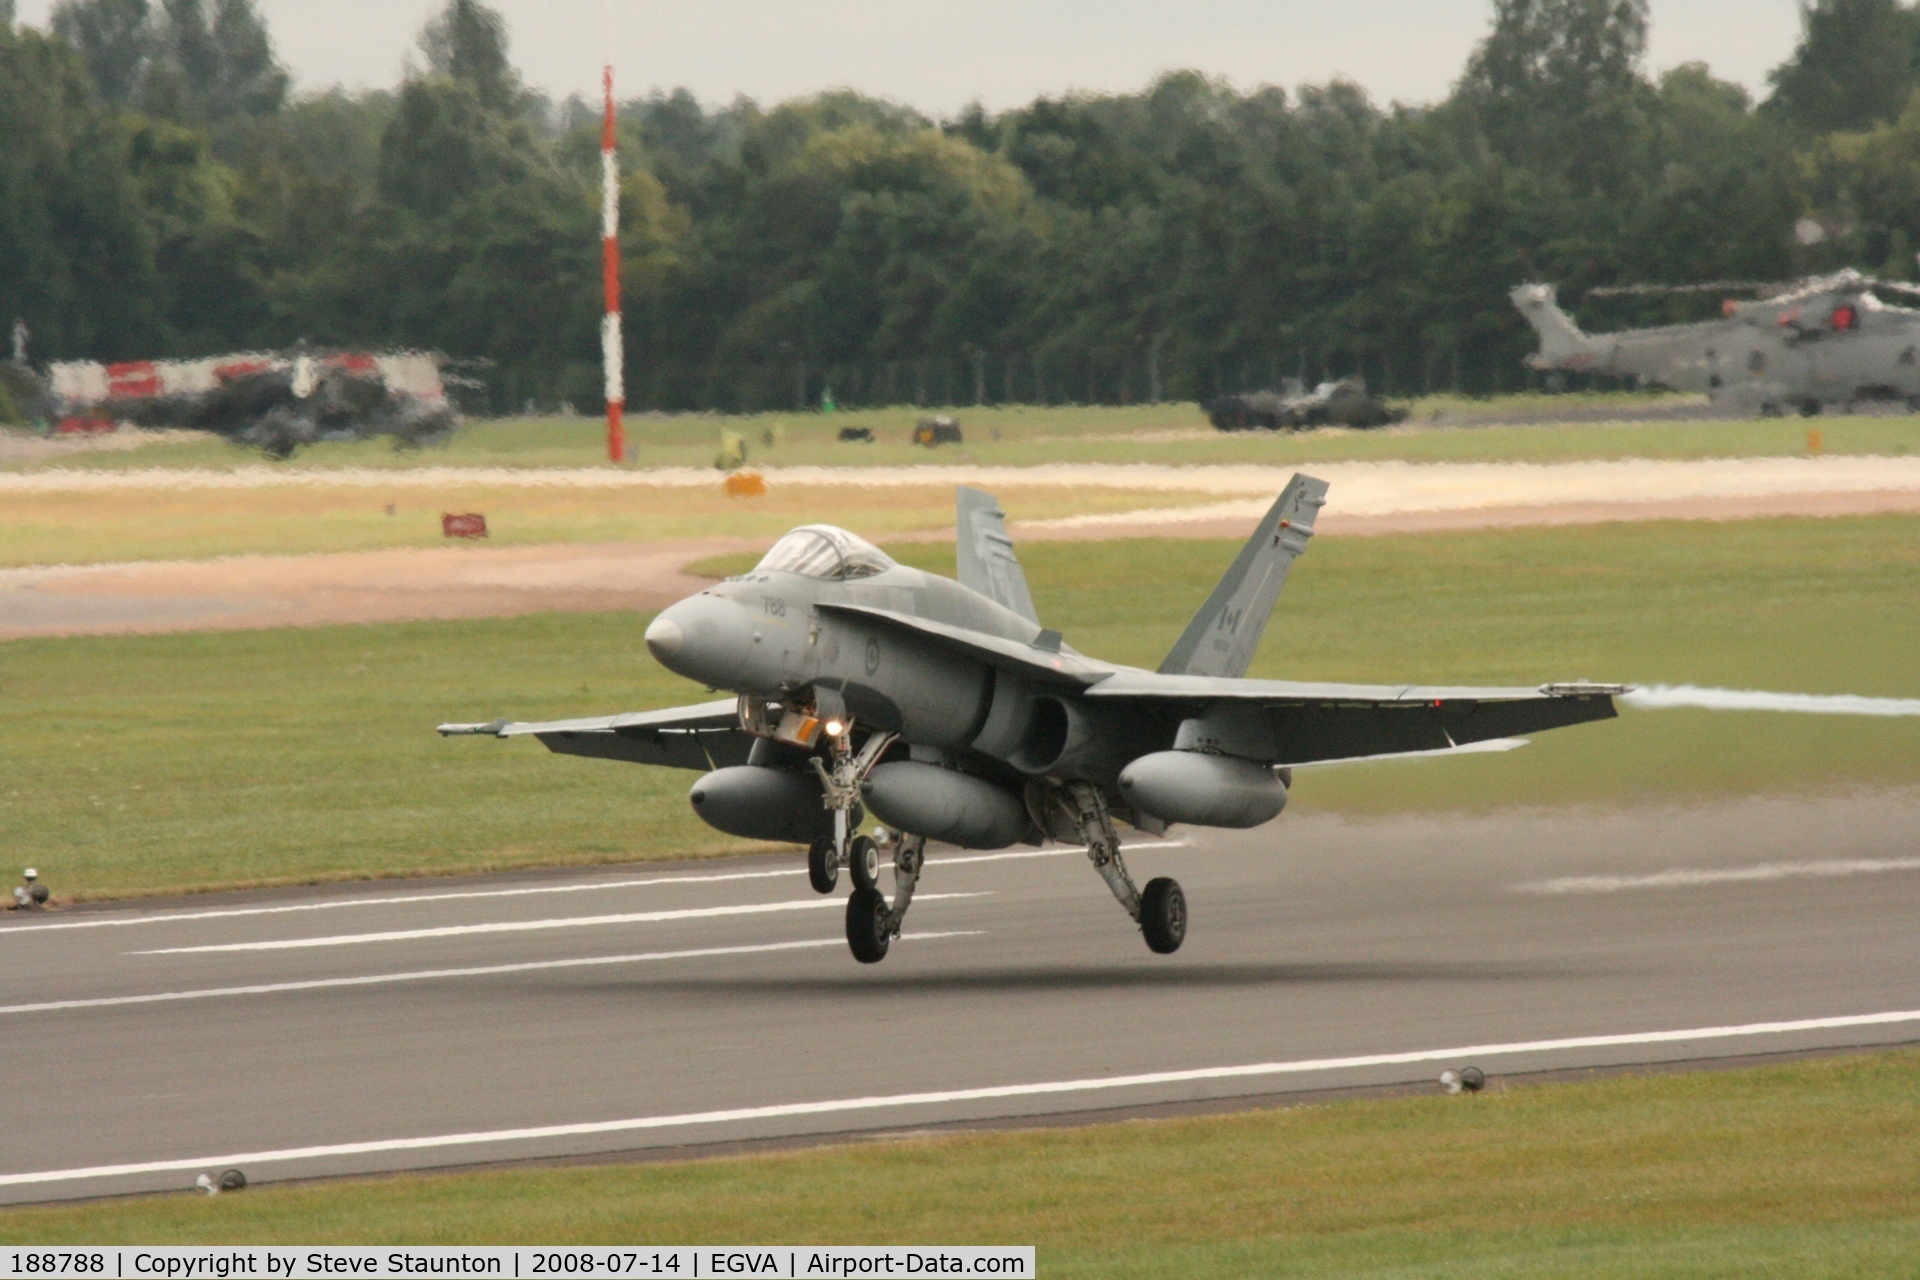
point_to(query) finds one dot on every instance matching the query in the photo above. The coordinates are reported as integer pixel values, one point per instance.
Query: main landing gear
(1076, 811)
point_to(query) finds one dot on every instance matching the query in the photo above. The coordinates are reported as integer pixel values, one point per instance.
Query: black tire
(863, 862)
(867, 933)
(1163, 915)
(821, 873)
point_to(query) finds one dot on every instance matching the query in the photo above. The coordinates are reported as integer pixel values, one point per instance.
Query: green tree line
(163, 193)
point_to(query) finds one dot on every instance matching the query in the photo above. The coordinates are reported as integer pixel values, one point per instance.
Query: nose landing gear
(823, 865)
(840, 793)
(863, 862)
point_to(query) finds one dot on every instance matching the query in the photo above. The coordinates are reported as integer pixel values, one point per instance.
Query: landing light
(835, 728)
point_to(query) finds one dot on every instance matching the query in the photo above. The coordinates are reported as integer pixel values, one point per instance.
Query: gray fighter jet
(1826, 341)
(949, 713)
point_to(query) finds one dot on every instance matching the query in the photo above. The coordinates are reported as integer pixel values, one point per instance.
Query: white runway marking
(1049, 853)
(899, 1100)
(423, 975)
(1662, 696)
(406, 899)
(1683, 877)
(400, 900)
(529, 926)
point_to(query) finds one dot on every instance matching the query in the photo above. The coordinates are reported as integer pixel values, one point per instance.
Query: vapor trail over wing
(1661, 696)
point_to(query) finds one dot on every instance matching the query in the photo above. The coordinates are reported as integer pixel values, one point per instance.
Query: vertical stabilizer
(1222, 637)
(987, 562)
(1562, 344)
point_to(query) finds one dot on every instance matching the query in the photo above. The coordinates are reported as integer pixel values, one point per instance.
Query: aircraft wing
(702, 737)
(1294, 722)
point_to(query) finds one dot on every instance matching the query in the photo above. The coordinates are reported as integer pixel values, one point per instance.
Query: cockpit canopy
(825, 551)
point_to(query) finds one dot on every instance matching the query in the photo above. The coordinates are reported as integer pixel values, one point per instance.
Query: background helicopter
(1827, 340)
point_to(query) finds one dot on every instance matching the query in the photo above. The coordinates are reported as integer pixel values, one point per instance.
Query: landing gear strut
(1076, 811)
(872, 922)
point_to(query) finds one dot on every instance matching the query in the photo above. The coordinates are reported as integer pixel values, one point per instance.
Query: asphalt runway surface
(417, 1024)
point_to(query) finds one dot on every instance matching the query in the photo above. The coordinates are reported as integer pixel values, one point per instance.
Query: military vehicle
(1827, 341)
(1343, 403)
(947, 711)
(937, 430)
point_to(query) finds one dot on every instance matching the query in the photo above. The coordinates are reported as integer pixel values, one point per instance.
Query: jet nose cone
(664, 638)
(705, 638)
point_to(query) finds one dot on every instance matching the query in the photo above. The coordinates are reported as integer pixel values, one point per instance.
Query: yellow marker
(1813, 440)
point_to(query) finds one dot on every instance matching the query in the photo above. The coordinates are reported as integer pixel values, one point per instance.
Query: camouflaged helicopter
(1826, 342)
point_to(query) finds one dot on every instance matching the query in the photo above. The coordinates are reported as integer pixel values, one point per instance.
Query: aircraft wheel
(863, 862)
(867, 932)
(1163, 915)
(822, 874)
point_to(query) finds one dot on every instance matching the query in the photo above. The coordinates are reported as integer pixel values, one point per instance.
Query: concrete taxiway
(424, 1024)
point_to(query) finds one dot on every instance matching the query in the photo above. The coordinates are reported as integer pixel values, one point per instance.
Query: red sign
(135, 378)
(468, 525)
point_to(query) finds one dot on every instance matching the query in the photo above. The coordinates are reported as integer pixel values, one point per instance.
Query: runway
(425, 1024)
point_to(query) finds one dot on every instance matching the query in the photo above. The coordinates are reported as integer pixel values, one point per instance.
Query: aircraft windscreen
(825, 551)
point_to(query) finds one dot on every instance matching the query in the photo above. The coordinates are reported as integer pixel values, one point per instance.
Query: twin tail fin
(1222, 637)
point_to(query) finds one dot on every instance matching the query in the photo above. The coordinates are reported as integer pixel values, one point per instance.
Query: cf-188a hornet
(946, 711)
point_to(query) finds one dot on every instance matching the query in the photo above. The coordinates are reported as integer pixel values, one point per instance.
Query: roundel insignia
(873, 655)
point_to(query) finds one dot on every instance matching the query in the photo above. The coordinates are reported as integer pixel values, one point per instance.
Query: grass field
(1024, 436)
(1809, 1170)
(188, 524)
(147, 764)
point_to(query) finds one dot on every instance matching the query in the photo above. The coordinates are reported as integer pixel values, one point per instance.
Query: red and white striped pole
(611, 353)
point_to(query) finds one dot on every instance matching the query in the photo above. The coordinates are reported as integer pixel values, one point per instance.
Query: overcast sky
(938, 55)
